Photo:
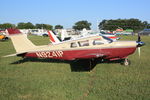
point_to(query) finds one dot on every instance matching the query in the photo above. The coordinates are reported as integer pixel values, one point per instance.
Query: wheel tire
(6, 38)
(126, 62)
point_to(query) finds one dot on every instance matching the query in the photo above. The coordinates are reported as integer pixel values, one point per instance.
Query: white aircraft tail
(53, 38)
(20, 41)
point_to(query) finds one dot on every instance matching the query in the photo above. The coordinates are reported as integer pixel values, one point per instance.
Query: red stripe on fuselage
(118, 52)
(106, 53)
(112, 37)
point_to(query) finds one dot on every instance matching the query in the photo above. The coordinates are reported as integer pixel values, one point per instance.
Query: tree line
(111, 25)
(29, 25)
(134, 24)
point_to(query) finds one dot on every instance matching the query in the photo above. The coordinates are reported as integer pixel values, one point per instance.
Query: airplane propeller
(139, 44)
(139, 37)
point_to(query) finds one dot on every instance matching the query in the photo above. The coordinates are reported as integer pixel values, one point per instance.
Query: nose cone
(139, 44)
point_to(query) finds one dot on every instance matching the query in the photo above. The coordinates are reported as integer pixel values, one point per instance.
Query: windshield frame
(108, 39)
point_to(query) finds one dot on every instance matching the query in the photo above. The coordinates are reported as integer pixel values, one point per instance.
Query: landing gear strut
(84, 64)
(92, 63)
(126, 62)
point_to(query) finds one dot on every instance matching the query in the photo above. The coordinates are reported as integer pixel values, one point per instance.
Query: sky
(68, 12)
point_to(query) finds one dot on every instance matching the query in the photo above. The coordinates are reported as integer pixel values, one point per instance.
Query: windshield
(106, 33)
(108, 39)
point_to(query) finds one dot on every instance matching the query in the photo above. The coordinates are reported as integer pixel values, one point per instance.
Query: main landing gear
(89, 64)
(92, 63)
(84, 64)
(126, 62)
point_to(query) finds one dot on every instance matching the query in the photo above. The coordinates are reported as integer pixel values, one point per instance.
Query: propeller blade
(139, 51)
(139, 37)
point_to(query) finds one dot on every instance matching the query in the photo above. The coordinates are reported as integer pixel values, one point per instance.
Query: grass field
(43, 80)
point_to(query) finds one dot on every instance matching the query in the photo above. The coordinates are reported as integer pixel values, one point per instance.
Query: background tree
(21, 25)
(82, 24)
(146, 24)
(112, 25)
(1, 26)
(29, 26)
(44, 26)
(47, 26)
(58, 27)
(25, 25)
(39, 26)
(7, 25)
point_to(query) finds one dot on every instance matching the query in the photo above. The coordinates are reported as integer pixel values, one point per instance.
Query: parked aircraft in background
(145, 32)
(3, 36)
(54, 39)
(111, 36)
(92, 49)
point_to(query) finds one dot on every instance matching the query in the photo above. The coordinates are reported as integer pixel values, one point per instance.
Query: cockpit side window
(83, 43)
(97, 42)
(73, 45)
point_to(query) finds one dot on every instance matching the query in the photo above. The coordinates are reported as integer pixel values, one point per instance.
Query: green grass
(35, 80)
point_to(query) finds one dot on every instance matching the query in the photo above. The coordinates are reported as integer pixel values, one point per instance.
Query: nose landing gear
(125, 62)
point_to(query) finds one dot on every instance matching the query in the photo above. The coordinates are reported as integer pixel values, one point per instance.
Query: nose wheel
(126, 62)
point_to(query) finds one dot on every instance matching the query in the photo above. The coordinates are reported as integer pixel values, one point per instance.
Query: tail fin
(53, 38)
(20, 41)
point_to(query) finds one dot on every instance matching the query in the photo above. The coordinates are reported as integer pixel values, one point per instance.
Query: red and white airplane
(92, 49)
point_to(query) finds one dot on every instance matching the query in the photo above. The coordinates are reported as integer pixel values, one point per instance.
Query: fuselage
(85, 48)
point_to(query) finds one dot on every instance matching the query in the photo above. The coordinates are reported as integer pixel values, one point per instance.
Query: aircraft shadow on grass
(82, 65)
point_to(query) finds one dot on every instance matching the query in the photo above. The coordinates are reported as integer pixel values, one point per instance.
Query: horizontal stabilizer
(12, 31)
(15, 54)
